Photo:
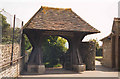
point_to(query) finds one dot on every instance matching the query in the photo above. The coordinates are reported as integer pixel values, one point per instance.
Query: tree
(98, 48)
(6, 36)
(28, 45)
(5, 25)
(7, 32)
(53, 49)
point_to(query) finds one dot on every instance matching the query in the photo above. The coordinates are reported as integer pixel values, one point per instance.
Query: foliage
(98, 48)
(6, 36)
(58, 65)
(7, 32)
(28, 45)
(96, 43)
(53, 49)
(17, 34)
(5, 25)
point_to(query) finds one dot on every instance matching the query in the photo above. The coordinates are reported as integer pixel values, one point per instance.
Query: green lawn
(99, 58)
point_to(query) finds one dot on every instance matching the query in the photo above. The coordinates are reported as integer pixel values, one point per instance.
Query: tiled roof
(48, 18)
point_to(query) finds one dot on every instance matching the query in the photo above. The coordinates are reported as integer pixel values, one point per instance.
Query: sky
(98, 13)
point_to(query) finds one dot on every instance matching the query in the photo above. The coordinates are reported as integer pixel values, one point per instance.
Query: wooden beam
(58, 33)
(13, 40)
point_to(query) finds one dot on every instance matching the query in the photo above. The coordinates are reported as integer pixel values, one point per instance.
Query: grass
(58, 65)
(48, 65)
(99, 58)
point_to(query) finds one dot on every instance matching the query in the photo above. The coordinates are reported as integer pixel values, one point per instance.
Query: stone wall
(7, 70)
(88, 51)
(107, 53)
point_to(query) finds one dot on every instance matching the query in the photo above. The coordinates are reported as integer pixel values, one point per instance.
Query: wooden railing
(9, 63)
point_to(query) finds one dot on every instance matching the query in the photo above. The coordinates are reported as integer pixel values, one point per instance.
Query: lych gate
(57, 22)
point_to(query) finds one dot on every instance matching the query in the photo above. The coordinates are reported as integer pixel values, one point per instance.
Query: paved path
(99, 72)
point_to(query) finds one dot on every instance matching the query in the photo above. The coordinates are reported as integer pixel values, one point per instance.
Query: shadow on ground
(52, 71)
(104, 69)
(100, 67)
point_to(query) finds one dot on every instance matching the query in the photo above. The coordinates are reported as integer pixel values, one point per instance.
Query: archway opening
(55, 53)
(54, 49)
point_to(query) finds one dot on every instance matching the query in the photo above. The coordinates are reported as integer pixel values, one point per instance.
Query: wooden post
(21, 36)
(71, 53)
(13, 40)
(35, 59)
(22, 48)
(78, 65)
(76, 55)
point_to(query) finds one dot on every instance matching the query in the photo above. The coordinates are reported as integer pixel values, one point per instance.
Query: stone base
(79, 68)
(40, 69)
